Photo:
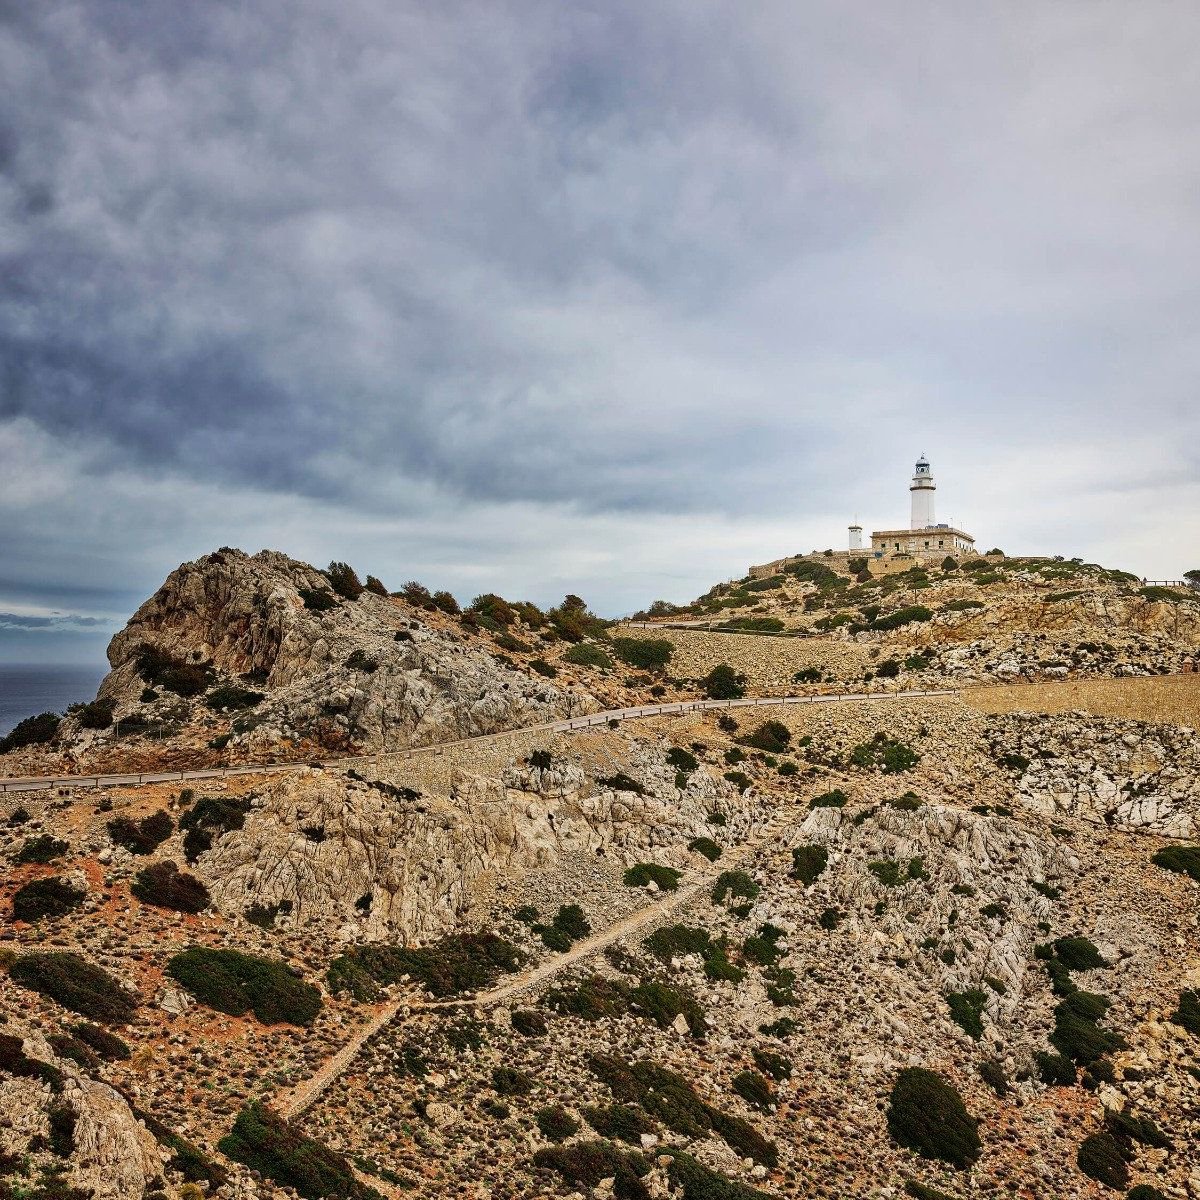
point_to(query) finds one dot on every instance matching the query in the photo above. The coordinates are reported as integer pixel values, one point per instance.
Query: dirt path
(305, 1094)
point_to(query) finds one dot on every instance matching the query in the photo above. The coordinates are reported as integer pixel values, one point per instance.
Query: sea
(30, 688)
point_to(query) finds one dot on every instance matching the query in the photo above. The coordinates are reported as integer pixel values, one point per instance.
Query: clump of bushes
(724, 683)
(318, 600)
(682, 760)
(666, 879)
(97, 714)
(662, 1004)
(555, 1123)
(625, 1122)
(909, 615)
(208, 820)
(359, 660)
(105, 1044)
(76, 984)
(699, 1182)
(1187, 1014)
(529, 1022)
(705, 846)
(236, 983)
(509, 1081)
(834, 799)
(1055, 1070)
(161, 668)
(1100, 1158)
(620, 782)
(587, 1163)
(144, 836)
(568, 926)
(41, 849)
(774, 737)
(230, 696)
(265, 1142)
(588, 654)
(344, 580)
(735, 885)
(164, 885)
(966, 1010)
(755, 1090)
(32, 731)
(648, 654)
(1184, 860)
(52, 896)
(808, 862)
(457, 963)
(1078, 954)
(678, 941)
(884, 754)
(1077, 1033)
(592, 999)
(927, 1115)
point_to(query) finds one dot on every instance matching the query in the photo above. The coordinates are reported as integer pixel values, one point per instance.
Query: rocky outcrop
(369, 674)
(1126, 774)
(372, 861)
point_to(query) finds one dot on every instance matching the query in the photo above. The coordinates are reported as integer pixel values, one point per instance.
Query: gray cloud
(499, 278)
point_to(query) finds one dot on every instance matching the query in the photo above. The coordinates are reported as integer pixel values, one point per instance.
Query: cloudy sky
(605, 296)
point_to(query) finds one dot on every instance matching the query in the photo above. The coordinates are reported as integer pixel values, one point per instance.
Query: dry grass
(1170, 699)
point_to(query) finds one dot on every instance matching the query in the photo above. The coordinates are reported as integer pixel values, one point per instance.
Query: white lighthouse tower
(922, 490)
(856, 536)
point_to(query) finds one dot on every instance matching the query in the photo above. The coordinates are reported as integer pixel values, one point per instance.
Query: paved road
(304, 1095)
(28, 783)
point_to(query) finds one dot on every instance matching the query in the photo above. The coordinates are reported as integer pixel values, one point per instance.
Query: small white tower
(856, 537)
(922, 490)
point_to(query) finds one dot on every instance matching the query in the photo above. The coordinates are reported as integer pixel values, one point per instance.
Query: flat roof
(941, 530)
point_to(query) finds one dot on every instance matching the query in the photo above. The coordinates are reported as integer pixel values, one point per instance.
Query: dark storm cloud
(528, 291)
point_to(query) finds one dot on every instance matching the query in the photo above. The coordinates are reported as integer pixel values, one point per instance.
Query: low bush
(1187, 1014)
(41, 849)
(318, 600)
(991, 1071)
(76, 984)
(666, 879)
(592, 999)
(32, 731)
(698, 1182)
(887, 871)
(1100, 1158)
(1076, 1032)
(97, 714)
(52, 896)
(230, 697)
(678, 941)
(661, 1003)
(163, 669)
(739, 779)
(927, 1115)
(773, 1065)
(208, 820)
(509, 1081)
(588, 654)
(105, 1044)
(1078, 954)
(755, 1090)
(735, 885)
(620, 782)
(625, 1122)
(457, 963)
(265, 1142)
(807, 675)
(834, 799)
(966, 1010)
(1055, 1069)
(528, 1022)
(910, 615)
(542, 667)
(682, 760)
(568, 926)
(884, 754)
(359, 660)
(724, 683)
(587, 1163)
(648, 654)
(772, 736)
(344, 580)
(144, 836)
(164, 885)
(236, 983)
(705, 846)
(555, 1123)
(1184, 860)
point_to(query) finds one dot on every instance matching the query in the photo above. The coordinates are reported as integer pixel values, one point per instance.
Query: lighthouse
(922, 490)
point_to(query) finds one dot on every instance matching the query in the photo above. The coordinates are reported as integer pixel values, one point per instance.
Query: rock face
(1127, 774)
(371, 862)
(365, 673)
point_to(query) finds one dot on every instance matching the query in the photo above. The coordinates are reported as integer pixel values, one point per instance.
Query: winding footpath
(29, 783)
(294, 1101)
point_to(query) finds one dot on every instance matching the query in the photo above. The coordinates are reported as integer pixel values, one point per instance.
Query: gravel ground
(1174, 699)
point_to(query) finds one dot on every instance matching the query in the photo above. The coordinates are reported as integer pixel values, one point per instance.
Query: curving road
(29, 783)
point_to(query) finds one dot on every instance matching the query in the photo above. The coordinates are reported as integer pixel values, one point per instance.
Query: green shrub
(228, 697)
(267, 1143)
(1188, 1013)
(144, 836)
(763, 947)
(724, 683)
(1143, 1191)
(52, 896)
(648, 654)
(888, 669)
(1076, 1033)
(208, 820)
(543, 760)
(807, 675)
(808, 862)
(1100, 1158)
(739, 779)
(41, 849)
(569, 926)
(344, 580)
(588, 654)
(788, 768)
(625, 1122)
(909, 802)
(991, 1071)
(699, 1182)
(834, 799)
(592, 999)
(32, 731)
(164, 885)
(555, 1123)
(666, 879)
(1078, 954)
(529, 1023)
(542, 667)
(927, 1115)
(317, 600)
(236, 983)
(509, 1081)
(359, 660)
(884, 754)
(620, 782)
(773, 1065)
(1126, 1127)
(1055, 1069)
(966, 1010)
(920, 1191)
(736, 885)
(755, 1090)
(678, 941)
(105, 1044)
(910, 615)
(682, 760)
(162, 669)
(661, 1003)
(886, 871)
(772, 736)
(457, 963)
(76, 984)
(587, 1163)
(1185, 860)
(705, 846)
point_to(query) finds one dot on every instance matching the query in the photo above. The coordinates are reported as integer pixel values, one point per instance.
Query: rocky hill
(919, 946)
